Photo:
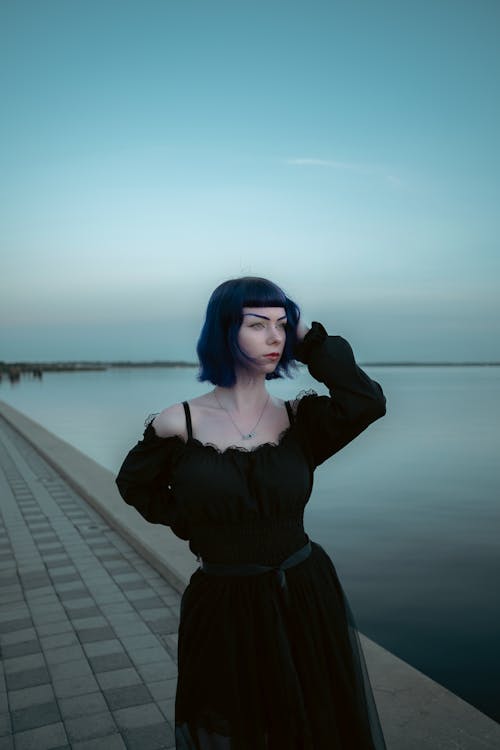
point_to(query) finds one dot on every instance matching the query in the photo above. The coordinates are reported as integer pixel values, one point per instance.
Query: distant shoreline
(36, 368)
(430, 364)
(21, 368)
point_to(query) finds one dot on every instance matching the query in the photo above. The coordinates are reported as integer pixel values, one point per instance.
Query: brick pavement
(87, 627)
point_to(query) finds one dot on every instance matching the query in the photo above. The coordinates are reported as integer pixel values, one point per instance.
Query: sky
(347, 150)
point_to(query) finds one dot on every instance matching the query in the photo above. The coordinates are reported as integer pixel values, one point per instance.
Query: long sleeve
(143, 480)
(327, 424)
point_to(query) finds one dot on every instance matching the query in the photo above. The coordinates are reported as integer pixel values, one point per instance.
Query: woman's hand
(302, 329)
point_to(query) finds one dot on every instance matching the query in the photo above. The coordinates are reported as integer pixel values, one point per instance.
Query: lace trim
(294, 403)
(241, 448)
(230, 448)
(150, 434)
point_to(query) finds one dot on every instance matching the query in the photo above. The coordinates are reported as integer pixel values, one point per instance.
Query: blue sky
(348, 150)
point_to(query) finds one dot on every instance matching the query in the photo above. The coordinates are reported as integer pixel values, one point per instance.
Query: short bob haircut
(218, 348)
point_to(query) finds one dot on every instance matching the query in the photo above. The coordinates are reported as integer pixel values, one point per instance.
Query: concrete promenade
(87, 627)
(89, 603)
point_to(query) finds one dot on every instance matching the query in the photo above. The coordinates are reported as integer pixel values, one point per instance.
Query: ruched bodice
(263, 541)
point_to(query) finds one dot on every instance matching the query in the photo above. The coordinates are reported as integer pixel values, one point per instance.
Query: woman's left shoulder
(170, 422)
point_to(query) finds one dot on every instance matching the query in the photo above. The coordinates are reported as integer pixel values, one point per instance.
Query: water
(409, 512)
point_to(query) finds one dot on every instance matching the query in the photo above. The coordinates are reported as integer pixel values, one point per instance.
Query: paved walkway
(87, 628)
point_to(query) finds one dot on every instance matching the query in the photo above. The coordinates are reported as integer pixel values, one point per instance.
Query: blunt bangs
(218, 349)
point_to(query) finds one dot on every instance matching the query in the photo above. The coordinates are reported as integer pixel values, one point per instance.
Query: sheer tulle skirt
(257, 672)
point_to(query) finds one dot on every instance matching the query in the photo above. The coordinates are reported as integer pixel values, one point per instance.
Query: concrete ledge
(420, 714)
(416, 712)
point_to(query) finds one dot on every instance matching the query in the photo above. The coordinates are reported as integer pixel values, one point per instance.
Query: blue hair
(218, 348)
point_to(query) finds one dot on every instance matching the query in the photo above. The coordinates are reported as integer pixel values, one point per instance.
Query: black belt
(252, 569)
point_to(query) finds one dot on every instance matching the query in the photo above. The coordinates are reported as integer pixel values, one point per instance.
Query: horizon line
(4, 366)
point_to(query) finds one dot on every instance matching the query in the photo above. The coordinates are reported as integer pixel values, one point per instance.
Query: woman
(268, 653)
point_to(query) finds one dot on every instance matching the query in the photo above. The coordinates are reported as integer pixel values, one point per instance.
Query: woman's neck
(246, 395)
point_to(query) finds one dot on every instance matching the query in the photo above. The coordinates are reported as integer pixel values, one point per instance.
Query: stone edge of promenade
(416, 712)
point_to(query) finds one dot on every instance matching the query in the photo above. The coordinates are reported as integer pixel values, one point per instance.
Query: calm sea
(409, 512)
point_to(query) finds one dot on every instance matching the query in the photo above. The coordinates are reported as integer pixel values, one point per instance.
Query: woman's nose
(276, 334)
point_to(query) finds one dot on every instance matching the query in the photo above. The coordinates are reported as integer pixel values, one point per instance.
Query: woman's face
(262, 336)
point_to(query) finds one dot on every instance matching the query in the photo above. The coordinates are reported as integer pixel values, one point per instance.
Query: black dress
(269, 657)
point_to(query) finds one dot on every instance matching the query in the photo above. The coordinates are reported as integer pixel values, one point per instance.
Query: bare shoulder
(171, 421)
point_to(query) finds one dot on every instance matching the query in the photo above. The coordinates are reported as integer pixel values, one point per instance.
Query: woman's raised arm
(355, 401)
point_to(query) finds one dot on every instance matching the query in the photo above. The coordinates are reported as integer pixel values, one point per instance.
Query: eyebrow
(256, 315)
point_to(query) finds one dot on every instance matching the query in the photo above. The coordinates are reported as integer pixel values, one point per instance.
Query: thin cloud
(366, 169)
(326, 163)
(394, 180)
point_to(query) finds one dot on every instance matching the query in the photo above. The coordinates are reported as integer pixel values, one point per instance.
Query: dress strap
(289, 412)
(189, 424)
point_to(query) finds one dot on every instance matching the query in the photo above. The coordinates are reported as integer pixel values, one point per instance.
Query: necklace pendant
(244, 435)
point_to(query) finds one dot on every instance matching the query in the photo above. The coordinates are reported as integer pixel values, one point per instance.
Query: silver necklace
(244, 435)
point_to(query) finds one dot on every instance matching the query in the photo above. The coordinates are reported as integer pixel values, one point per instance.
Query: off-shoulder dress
(269, 655)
